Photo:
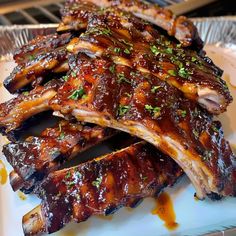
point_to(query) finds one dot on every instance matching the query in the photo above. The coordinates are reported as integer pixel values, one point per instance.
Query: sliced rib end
(33, 222)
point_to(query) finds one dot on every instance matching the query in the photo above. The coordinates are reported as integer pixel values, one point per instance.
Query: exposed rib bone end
(16, 181)
(33, 222)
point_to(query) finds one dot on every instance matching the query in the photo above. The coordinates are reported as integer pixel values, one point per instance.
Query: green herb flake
(26, 93)
(117, 50)
(155, 88)
(179, 45)
(155, 50)
(62, 136)
(127, 51)
(169, 50)
(215, 129)
(128, 95)
(77, 94)
(31, 57)
(68, 175)
(65, 78)
(122, 78)
(183, 73)
(106, 31)
(196, 134)
(97, 182)
(73, 73)
(79, 175)
(112, 69)
(172, 72)
(122, 110)
(183, 113)
(152, 109)
(193, 59)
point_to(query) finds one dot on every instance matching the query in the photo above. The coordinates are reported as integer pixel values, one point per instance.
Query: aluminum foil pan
(213, 30)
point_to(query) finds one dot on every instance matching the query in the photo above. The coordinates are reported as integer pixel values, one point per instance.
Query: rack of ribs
(17, 110)
(100, 187)
(36, 157)
(131, 42)
(179, 27)
(41, 56)
(117, 96)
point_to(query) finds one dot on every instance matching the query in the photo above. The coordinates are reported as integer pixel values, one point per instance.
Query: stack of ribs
(115, 66)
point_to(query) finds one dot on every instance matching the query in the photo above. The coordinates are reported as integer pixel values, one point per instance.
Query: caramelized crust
(36, 157)
(141, 104)
(37, 59)
(130, 42)
(101, 187)
(179, 27)
(17, 110)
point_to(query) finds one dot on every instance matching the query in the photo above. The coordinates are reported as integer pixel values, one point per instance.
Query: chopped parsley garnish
(122, 110)
(152, 109)
(183, 73)
(112, 69)
(193, 59)
(97, 182)
(127, 51)
(169, 50)
(172, 72)
(196, 134)
(79, 175)
(121, 78)
(66, 77)
(128, 95)
(183, 113)
(178, 45)
(77, 94)
(117, 50)
(216, 129)
(73, 73)
(106, 32)
(62, 136)
(68, 175)
(31, 57)
(155, 88)
(155, 50)
(126, 42)
(26, 93)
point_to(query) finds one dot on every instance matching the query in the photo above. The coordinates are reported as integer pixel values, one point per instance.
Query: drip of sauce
(165, 210)
(110, 217)
(3, 173)
(21, 195)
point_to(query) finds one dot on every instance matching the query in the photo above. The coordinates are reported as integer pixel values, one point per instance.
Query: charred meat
(100, 187)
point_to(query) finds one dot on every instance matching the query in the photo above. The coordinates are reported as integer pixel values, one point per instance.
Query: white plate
(194, 217)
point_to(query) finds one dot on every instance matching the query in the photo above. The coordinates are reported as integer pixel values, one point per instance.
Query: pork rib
(38, 58)
(15, 111)
(135, 44)
(179, 27)
(100, 187)
(36, 157)
(138, 103)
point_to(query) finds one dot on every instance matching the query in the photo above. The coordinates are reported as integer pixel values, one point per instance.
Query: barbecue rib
(116, 96)
(131, 42)
(38, 58)
(14, 112)
(100, 187)
(36, 157)
(179, 27)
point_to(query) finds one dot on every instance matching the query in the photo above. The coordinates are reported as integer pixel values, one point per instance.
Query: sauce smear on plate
(165, 210)
(3, 173)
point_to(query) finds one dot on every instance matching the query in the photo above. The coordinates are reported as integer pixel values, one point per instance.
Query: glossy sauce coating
(118, 93)
(36, 157)
(102, 186)
(165, 210)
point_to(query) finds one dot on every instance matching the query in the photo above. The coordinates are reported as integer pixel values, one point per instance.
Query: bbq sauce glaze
(165, 210)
